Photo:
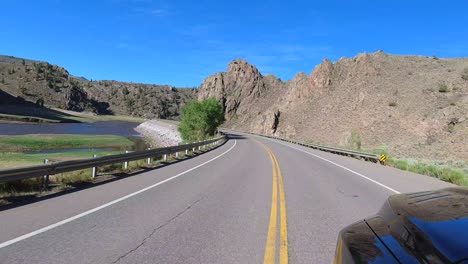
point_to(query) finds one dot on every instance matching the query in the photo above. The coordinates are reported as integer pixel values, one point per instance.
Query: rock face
(34, 81)
(143, 100)
(416, 106)
(242, 82)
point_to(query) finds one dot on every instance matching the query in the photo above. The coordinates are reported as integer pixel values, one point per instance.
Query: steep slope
(37, 82)
(143, 100)
(42, 82)
(417, 106)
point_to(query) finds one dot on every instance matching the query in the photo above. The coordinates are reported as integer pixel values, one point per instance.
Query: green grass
(37, 142)
(455, 172)
(64, 180)
(10, 160)
(445, 173)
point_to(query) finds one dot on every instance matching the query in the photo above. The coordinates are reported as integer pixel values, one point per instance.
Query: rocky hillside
(414, 105)
(142, 100)
(52, 85)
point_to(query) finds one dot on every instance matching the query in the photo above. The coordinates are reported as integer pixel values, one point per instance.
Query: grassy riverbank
(38, 142)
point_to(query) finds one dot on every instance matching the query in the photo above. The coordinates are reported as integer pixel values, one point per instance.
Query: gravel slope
(162, 134)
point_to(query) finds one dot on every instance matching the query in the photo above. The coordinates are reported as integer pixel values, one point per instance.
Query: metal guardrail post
(165, 157)
(148, 160)
(45, 178)
(94, 170)
(177, 154)
(186, 151)
(125, 165)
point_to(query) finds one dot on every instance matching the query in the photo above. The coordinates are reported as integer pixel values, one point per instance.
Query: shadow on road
(235, 136)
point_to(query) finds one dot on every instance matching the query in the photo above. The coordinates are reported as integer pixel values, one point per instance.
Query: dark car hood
(429, 227)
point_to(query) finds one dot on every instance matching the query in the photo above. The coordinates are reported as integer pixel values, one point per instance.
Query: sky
(180, 43)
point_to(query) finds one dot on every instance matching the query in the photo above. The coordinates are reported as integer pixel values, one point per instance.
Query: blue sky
(182, 42)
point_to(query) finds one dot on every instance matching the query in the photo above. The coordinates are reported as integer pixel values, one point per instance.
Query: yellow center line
(270, 248)
(284, 222)
(338, 254)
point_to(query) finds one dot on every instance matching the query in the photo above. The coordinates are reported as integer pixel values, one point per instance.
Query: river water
(120, 128)
(125, 129)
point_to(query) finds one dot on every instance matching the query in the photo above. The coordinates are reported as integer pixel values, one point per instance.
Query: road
(252, 200)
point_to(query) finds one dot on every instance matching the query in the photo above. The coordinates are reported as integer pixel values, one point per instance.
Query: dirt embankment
(160, 133)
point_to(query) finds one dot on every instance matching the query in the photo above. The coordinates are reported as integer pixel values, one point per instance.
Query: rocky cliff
(414, 105)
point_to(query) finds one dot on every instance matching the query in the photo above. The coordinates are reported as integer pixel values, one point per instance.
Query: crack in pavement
(156, 229)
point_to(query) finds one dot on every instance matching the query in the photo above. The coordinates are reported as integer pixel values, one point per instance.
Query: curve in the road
(341, 166)
(44, 229)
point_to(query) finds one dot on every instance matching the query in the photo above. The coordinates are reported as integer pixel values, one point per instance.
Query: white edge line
(336, 164)
(44, 229)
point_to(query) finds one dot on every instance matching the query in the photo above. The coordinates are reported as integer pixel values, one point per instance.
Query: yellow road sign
(383, 157)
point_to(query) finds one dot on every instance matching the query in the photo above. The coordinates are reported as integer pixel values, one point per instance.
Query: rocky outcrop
(236, 88)
(407, 103)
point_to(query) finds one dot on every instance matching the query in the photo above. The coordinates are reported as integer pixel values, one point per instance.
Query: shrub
(443, 87)
(451, 128)
(40, 102)
(392, 103)
(26, 185)
(354, 140)
(200, 120)
(435, 57)
(125, 91)
(465, 74)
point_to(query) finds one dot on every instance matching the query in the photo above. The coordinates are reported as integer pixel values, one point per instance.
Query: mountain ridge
(414, 105)
(43, 83)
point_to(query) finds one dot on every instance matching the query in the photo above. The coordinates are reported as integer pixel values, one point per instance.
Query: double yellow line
(270, 249)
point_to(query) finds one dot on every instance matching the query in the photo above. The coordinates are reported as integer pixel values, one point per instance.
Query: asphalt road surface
(252, 200)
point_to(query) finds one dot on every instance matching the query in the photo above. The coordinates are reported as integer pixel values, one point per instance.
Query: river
(120, 128)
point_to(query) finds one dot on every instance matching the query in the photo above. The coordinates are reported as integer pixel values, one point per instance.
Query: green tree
(200, 119)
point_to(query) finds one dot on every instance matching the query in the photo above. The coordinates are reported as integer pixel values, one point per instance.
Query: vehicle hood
(424, 227)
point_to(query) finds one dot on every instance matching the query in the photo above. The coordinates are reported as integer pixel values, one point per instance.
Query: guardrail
(346, 152)
(44, 170)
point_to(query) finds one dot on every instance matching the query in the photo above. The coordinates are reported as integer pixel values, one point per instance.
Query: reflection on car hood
(430, 227)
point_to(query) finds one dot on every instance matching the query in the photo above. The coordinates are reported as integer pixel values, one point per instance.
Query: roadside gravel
(160, 133)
